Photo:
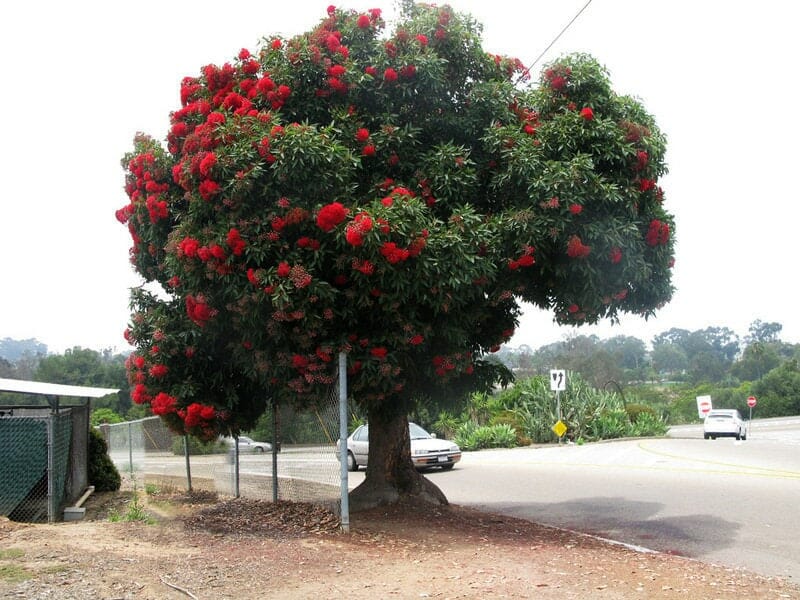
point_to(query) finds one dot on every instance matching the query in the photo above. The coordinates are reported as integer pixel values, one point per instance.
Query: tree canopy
(390, 195)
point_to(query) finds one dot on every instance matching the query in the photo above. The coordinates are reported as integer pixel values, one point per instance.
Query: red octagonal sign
(751, 401)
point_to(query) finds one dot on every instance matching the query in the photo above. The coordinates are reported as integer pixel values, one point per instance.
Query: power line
(550, 45)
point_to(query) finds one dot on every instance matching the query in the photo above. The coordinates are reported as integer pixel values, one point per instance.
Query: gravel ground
(200, 546)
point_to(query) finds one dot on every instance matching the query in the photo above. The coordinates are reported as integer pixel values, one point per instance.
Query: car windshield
(417, 433)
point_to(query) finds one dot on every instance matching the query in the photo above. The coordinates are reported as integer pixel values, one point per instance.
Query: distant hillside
(13, 350)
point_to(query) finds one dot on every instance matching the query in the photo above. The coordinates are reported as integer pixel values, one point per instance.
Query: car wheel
(258, 449)
(706, 436)
(743, 436)
(352, 465)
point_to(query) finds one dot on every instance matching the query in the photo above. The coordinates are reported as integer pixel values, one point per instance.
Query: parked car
(426, 450)
(724, 423)
(247, 444)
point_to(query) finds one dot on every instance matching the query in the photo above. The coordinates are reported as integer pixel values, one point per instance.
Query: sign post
(558, 383)
(751, 402)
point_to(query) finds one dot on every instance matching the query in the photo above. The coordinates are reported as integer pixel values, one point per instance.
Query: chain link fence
(296, 459)
(42, 461)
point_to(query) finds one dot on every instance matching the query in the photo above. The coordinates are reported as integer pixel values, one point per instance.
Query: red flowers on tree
(341, 190)
(330, 215)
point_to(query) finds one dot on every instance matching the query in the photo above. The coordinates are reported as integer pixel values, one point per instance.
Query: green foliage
(778, 393)
(470, 436)
(100, 416)
(134, 512)
(446, 425)
(608, 425)
(446, 190)
(635, 411)
(513, 420)
(103, 474)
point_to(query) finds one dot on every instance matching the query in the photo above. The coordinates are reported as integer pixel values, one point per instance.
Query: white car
(426, 450)
(724, 423)
(247, 444)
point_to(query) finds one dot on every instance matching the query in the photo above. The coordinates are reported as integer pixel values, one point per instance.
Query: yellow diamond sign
(559, 428)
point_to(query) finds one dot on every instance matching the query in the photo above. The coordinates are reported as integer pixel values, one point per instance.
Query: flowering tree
(390, 196)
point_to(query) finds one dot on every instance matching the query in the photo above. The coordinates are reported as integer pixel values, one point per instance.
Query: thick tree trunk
(391, 476)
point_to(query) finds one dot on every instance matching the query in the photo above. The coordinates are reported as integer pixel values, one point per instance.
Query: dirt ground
(196, 545)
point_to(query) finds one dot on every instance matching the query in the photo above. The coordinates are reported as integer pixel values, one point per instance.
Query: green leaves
(393, 197)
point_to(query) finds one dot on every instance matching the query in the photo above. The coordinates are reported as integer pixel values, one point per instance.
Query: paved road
(722, 501)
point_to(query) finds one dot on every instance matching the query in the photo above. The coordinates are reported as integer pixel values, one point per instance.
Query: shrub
(515, 421)
(608, 425)
(473, 437)
(103, 474)
(647, 425)
(636, 410)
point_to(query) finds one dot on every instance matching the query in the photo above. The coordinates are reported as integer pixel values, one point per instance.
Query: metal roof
(53, 389)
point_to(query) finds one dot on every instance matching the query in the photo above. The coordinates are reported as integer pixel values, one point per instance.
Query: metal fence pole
(236, 466)
(188, 465)
(275, 443)
(345, 516)
(130, 447)
(51, 494)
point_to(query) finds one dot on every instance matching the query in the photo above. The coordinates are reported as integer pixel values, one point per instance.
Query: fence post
(275, 443)
(130, 447)
(345, 516)
(51, 495)
(188, 465)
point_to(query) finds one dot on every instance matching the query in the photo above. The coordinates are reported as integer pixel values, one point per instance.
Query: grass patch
(14, 574)
(11, 553)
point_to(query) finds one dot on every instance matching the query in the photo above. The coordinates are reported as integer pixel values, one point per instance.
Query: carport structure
(44, 448)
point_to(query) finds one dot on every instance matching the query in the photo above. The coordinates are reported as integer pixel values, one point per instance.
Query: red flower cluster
(198, 311)
(646, 185)
(379, 352)
(235, 242)
(188, 247)
(587, 113)
(158, 371)
(577, 249)
(557, 77)
(196, 414)
(657, 233)
(615, 255)
(393, 253)
(330, 215)
(163, 404)
(355, 231)
(363, 266)
(526, 260)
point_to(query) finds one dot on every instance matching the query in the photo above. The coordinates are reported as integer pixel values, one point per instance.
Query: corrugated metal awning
(53, 389)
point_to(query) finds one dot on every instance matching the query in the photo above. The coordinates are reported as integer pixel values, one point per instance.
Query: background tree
(393, 197)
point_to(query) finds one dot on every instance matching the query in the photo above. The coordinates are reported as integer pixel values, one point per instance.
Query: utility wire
(550, 45)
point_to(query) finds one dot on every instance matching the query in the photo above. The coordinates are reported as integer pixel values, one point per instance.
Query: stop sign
(751, 401)
(705, 406)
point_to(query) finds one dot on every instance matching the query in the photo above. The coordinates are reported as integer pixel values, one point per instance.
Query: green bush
(103, 474)
(513, 420)
(636, 410)
(474, 437)
(608, 425)
(647, 425)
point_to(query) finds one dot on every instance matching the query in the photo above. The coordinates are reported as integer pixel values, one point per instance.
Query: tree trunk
(391, 476)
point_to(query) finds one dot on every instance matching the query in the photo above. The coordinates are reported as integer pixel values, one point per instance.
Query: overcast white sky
(81, 78)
